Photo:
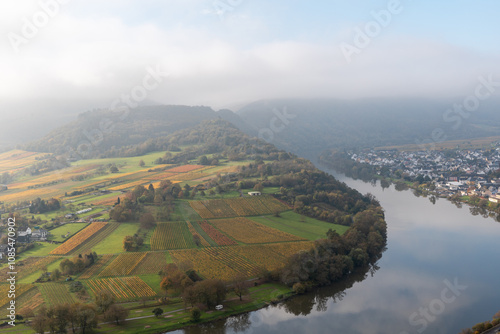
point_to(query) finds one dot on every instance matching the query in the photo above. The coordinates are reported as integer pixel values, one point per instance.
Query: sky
(58, 55)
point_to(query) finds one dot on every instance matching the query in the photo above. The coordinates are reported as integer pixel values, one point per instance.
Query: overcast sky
(229, 52)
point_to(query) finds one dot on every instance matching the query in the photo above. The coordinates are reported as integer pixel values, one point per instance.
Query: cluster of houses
(29, 235)
(26, 236)
(462, 172)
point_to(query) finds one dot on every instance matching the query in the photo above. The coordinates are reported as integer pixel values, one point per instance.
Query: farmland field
(113, 242)
(56, 293)
(122, 265)
(204, 264)
(20, 290)
(239, 206)
(89, 244)
(247, 231)
(78, 239)
(152, 263)
(96, 267)
(72, 228)
(122, 288)
(28, 266)
(174, 235)
(220, 238)
(305, 227)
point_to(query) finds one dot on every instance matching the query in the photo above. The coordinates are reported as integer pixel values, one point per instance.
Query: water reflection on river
(439, 274)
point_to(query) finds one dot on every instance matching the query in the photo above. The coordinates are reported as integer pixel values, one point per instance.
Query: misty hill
(104, 132)
(312, 125)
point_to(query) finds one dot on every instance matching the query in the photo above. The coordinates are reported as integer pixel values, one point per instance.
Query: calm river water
(439, 274)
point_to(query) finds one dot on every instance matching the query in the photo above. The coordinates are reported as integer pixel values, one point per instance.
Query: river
(439, 274)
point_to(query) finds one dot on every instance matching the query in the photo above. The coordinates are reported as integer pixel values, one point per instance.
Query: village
(451, 172)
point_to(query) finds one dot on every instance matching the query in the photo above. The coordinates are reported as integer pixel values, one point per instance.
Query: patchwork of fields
(218, 237)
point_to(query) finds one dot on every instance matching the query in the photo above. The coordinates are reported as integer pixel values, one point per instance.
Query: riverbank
(175, 316)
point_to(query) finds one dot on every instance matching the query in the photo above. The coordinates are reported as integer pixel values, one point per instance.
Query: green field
(302, 226)
(58, 233)
(113, 243)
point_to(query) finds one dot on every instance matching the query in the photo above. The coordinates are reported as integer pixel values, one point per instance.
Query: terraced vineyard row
(122, 265)
(172, 236)
(288, 249)
(56, 293)
(20, 290)
(78, 239)
(122, 288)
(30, 300)
(86, 247)
(205, 265)
(28, 266)
(152, 263)
(220, 238)
(250, 232)
(260, 256)
(232, 260)
(193, 231)
(235, 207)
(96, 267)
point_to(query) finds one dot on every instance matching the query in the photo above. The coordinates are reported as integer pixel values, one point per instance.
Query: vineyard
(96, 267)
(20, 290)
(122, 265)
(30, 300)
(220, 238)
(247, 231)
(153, 263)
(184, 168)
(288, 249)
(78, 239)
(28, 266)
(122, 288)
(55, 293)
(261, 256)
(204, 264)
(193, 231)
(230, 258)
(235, 207)
(15, 160)
(86, 247)
(172, 236)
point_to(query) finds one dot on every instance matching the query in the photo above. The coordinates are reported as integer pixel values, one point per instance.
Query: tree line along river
(438, 275)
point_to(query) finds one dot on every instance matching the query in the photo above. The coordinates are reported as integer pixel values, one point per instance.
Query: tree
(116, 313)
(86, 317)
(56, 274)
(175, 280)
(128, 243)
(40, 321)
(258, 187)
(240, 286)
(299, 288)
(197, 239)
(210, 292)
(147, 221)
(195, 314)
(203, 160)
(113, 169)
(142, 163)
(157, 312)
(103, 300)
